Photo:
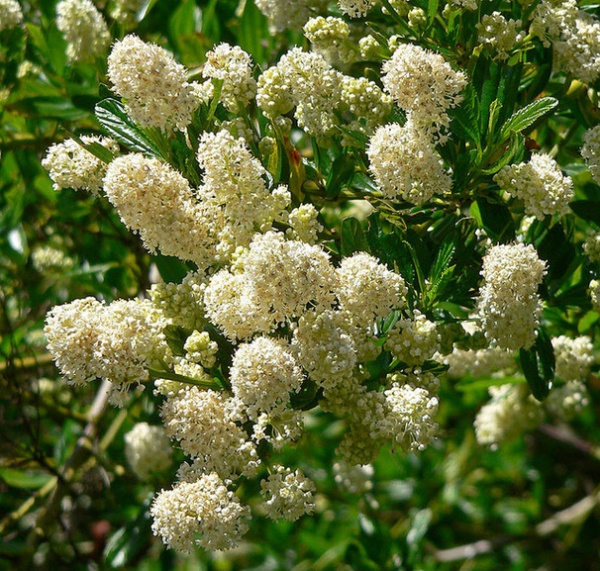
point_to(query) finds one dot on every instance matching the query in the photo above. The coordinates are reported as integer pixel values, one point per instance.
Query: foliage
(70, 497)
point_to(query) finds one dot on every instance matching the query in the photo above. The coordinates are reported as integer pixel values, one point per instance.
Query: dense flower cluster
(153, 84)
(405, 164)
(10, 14)
(90, 340)
(286, 16)
(539, 184)
(71, 165)
(204, 513)
(510, 412)
(573, 34)
(84, 29)
(248, 180)
(423, 84)
(591, 151)
(147, 450)
(574, 357)
(288, 495)
(157, 202)
(330, 37)
(508, 302)
(501, 34)
(233, 67)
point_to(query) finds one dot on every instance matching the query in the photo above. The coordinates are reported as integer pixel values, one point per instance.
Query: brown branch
(79, 456)
(573, 515)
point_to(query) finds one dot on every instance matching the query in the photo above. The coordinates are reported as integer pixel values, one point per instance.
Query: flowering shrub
(351, 226)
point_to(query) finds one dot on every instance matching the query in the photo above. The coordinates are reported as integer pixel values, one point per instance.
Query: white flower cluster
(503, 35)
(84, 29)
(200, 349)
(115, 342)
(235, 192)
(262, 375)
(289, 16)
(46, 258)
(147, 450)
(367, 104)
(423, 84)
(207, 425)
(405, 164)
(304, 225)
(356, 8)
(479, 362)
(508, 302)
(540, 184)
(568, 400)
(367, 289)
(72, 166)
(574, 35)
(574, 357)
(125, 11)
(153, 84)
(232, 66)
(156, 201)
(595, 294)
(357, 479)
(413, 340)
(11, 14)
(410, 418)
(182, 304)
(288, 495)
(330, 38)
(591, 151)
(305, 81)
(202, 513)
(591, 246)
(272, 283)
(511, 411)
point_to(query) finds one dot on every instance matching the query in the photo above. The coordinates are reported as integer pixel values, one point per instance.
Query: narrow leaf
(112, 116)
(528, 115)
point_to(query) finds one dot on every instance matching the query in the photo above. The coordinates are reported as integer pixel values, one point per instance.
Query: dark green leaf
(171, 269)
(112, 116)
(176, 337)
(353, 238)
(130, 541)
(538, 366)
(587, 210)
(341, 172)
(495, 219)
(528, 115)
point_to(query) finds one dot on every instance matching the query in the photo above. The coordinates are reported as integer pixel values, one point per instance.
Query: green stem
(172, 376)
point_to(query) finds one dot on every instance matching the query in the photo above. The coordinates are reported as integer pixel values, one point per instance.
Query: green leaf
(495, 219)
(112, 116)
(528, 115)
(171, 269)
(506, 155)
(253, 34)
(176, 336)
(341, 172)
(24, 479)
(353, 238)
(49, 108)
(129, 541)
(587, 210)
(469, 385)
(98, 150)
(414, 538)
(538, 366)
